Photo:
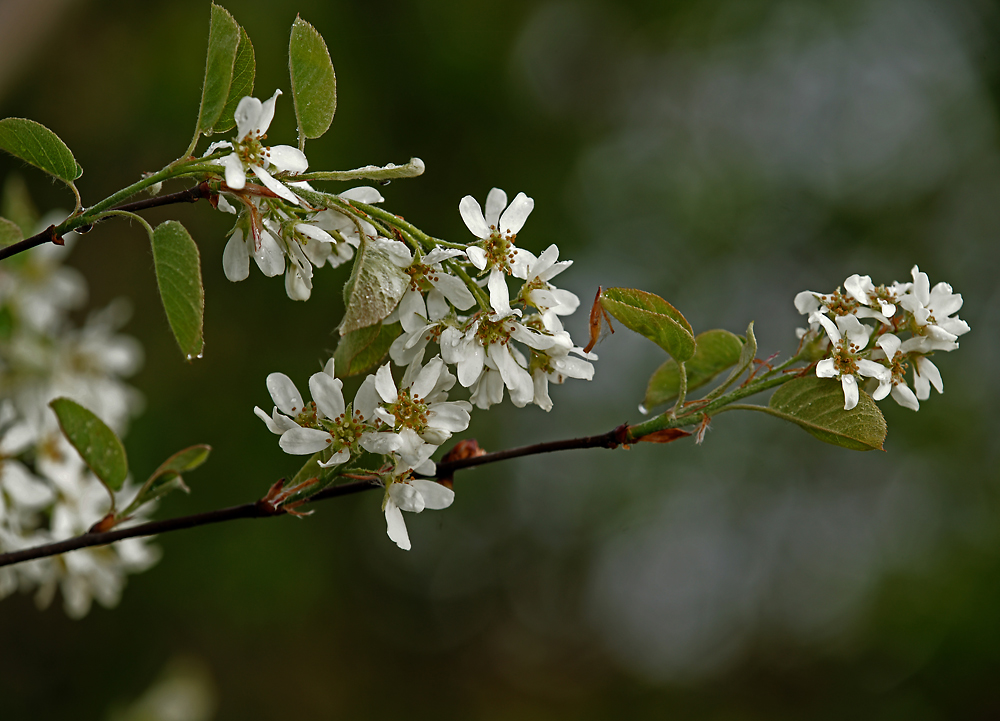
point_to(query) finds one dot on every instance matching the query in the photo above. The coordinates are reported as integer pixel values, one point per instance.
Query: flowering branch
(261, 509)
(425, 319)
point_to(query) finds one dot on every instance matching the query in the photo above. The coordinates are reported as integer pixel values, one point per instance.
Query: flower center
(252, 152)
(493, 331)
(841, 304)
(308, 417)
(500, 250)
(421, 276)
(844, 358)
(410, 411)
(346, 429)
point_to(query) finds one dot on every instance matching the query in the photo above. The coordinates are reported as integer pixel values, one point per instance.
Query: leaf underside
(373, 290)
(817, 405)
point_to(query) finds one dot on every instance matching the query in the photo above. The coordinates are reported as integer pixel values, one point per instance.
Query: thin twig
(259, 509)
(191, 195)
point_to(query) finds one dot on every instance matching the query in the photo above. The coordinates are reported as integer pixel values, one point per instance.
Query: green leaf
(314, 84)
(35, 144)
(362, 350)
(747, 355)
(244, 72)
(167, 477)
(715, 351)
(18, 206)
(374, 288)
(817, 405)
(99, 446)
(178, 273)
(10, 233)
(651, 316)
(223, 41)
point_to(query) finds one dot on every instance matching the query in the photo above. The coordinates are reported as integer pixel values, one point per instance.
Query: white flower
(497, 234)
(307, 428)
(412, 495)
(932, 310)
(861, 288)
(488, 338)
(252, 121)
(542, 295)
(849, 338)
(555, 363)
(250, 239)
(426, 276)
(418, 411)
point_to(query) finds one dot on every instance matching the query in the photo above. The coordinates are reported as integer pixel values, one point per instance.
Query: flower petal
(338, 458)
(513, 218)
(236, 177)
(477, 256)
(850, 386)
(406, 497)
(496, 201)
(499, 295)
(436, 497)
(267, 113)
(275, 186)
(385, 385)
(287, 159)
(304, 441)
(395, 526)
(247, 115)
(363, 194)
(472, 214)
(314, 232)
(236, 257)
(328, 394)
(285, 394)
(270, 258)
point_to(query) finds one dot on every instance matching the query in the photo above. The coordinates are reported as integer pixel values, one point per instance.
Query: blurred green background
(724, 154)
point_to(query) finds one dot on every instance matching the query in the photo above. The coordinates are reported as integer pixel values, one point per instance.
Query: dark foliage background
(724, 154)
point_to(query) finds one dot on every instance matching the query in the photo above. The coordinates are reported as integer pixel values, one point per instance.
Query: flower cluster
(46, 492)
(495, 342)
(877, 352)
(277, 228)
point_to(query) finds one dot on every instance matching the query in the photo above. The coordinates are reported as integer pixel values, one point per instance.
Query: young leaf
(373, 290)
(747, 354)
(362, 350)
(314, 84)
(651, 316)
(167, 477)
(244, 72)
(10, 233)
(715, 351)
(100, 448)
(178, 273)
(817, 405)
(223, 40)
(35, 144)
